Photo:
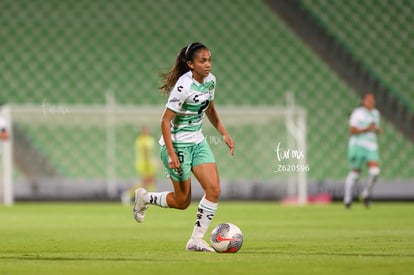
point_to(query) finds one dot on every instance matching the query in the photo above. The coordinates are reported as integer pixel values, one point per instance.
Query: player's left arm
(214, 118)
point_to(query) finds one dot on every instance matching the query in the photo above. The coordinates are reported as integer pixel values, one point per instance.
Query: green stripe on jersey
(189, 119)
(192, 107)
(186, 128)
(204, 88)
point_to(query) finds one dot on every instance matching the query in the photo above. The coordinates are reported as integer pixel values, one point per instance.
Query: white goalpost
(296, 126)
(85, 152)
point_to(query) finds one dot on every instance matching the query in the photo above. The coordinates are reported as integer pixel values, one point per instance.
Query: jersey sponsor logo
(199, 97)
(174, 100)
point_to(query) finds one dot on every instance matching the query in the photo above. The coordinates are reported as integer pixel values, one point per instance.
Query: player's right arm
(371, 128)
(356, 129)
(175, 102)
(166, 118)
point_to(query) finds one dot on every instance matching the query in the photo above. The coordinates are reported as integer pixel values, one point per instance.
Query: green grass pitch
(103, 238)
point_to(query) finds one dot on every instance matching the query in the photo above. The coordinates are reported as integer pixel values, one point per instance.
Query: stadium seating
(378, 33)
(73, 52)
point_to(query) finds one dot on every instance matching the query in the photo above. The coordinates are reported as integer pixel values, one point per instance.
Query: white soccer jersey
(189, 100)
(361, 118)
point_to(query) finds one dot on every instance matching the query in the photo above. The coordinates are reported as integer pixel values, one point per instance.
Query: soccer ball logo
(226, 238)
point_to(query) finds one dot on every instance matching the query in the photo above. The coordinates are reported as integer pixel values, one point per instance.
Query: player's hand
(173, 161)
(230, 143)
(373, 128)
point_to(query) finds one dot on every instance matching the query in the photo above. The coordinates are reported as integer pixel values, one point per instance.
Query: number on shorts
(180, 155)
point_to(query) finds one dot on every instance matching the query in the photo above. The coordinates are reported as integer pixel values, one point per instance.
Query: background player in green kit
(191, 89)
(363, 148)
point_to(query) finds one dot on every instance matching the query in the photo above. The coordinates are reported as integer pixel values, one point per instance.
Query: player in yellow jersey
(144, 159)
(145, 164)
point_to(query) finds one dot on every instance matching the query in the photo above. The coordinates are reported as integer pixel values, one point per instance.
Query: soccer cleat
(139, 205)
(348, 205)
(198, 245)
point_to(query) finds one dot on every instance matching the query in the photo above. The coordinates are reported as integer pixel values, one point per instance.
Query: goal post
(296, 126)
(81, 152)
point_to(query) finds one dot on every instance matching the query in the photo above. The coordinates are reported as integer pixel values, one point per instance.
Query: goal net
(87, 152)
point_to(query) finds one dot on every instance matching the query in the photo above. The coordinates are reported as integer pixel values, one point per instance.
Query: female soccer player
(363, 148)
(191, 89)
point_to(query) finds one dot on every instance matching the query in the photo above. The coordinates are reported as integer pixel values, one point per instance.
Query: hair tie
(187, 50)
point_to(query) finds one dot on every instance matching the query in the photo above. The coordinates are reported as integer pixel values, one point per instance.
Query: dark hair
(180, 67)
(364, 94)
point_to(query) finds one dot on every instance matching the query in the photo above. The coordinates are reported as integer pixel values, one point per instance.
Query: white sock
(373, 173)
(157, 198)
(205, 213)
(349, 183)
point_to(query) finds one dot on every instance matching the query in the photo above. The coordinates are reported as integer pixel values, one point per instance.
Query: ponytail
(180, 67)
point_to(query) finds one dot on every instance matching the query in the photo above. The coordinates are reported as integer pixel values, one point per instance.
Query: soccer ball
(226, 238)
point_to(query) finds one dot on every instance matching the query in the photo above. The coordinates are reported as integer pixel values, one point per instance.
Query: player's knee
(374, 170)
(213, 192)
(217, 191)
